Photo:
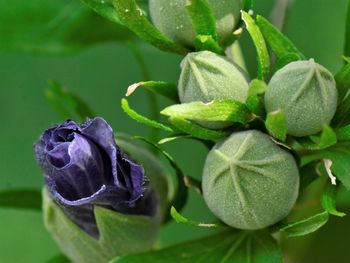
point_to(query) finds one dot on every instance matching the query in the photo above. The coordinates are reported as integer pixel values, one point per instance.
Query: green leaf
(255, 247)
(347, 33)
(329, 200)
(133, 17)
(207, 42)
(276, 124)
(286, 59)
(183, 220)
(195, 130)
(67, 103)
(340, 157)
(260, 45)
(343, 82)
(139, 118)
(54, 27)
(59, 259)
(104, 8)
(119, 234)
(216, 110)
(280, 44)
(160, 87)
(306, 226)
(181, 192)
(202, 17)
(343, 133)
(255, 100)
(327, 138)
(21, 199)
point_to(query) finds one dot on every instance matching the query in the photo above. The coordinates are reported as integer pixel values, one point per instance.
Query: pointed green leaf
(255, 100)
(286, 59)
(256, 247)
(306, 226)
(104, 8)
(340, 157)
(181, 219)
(279, 43)
(260, 45)
(195, 130)
(216, 110)
(276, 124)
(329, 200)
(343, 133)
(67, 103)
(139, 118)
(133, 17)
(342, 79)
(327, 138)
(202, 17)
(21, 199)
(160, 87)
(54, 27)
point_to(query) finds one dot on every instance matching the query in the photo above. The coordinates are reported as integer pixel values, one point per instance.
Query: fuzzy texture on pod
(306, 92)
(172, 19)
(249, 182)
(206, 76)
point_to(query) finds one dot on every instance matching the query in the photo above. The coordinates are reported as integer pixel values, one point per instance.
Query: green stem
(151, 97)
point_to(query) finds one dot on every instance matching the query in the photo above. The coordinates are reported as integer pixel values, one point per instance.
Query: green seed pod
(306, 92)
(172, 19)
(206, 76)
(249, 182)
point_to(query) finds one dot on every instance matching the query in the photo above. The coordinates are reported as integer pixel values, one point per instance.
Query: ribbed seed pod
(249, 182)
(206, 76)
(306, 92)
(172, 19)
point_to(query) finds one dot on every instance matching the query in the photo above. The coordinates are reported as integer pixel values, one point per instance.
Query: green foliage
(59, 259)
(21, 199)
(283, 48)
(53, 27)
(260, 45)
(133, 17)
(196, 130)
(255, 247)
(68, 104)
(347, 33)
(202, 18)
(216, 110)
(183, 220)
(139, 118)
(305, 226)
(159, 87)
(104, 8)
(276, 124)
(329, 200)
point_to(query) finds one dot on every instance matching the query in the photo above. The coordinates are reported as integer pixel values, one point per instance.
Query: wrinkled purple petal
(84, 168)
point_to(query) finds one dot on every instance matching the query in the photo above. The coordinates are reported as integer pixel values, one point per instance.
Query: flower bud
(306, 92)
(206, 76)
(98, 203)
(172, 19)
(249, 182)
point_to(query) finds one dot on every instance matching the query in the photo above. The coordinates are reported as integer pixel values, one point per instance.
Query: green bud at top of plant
(306, 92)
(206, 76)
(249, 182)
(172, 19)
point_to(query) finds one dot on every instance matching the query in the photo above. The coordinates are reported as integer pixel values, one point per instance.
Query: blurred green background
(100, 75)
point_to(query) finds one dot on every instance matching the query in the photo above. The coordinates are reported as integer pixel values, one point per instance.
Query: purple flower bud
(84, 168)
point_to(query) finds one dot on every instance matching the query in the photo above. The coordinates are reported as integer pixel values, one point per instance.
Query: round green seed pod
(306, 92)
(206, 76)
(249, 182)
(172, 19)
